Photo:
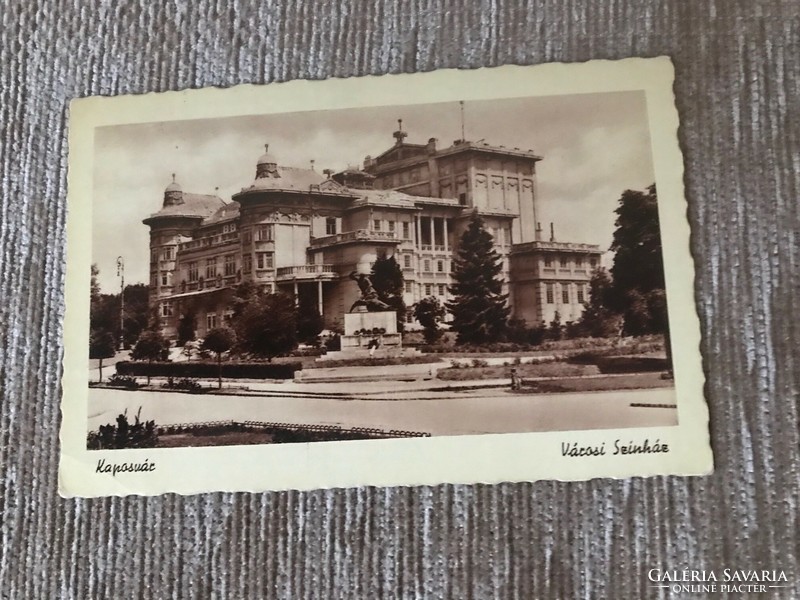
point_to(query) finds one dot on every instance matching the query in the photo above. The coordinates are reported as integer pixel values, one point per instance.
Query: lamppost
(121, 275)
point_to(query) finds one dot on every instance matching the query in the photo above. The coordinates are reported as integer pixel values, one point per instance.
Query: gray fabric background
(738, 68)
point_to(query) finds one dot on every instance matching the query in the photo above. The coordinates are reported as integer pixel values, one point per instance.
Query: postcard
(446, 277)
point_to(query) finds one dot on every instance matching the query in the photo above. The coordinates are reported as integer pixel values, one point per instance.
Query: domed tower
(267, 166)
(173, 194)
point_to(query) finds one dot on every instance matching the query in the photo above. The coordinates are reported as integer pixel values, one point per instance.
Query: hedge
(631, 364)
(209, 369)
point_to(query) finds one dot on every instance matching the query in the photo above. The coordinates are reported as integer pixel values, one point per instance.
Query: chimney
(552, 233)
(431, 147)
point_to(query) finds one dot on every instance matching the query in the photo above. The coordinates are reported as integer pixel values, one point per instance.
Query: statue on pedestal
(369, 297)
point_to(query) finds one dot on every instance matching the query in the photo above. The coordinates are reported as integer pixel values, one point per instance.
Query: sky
(594, 146)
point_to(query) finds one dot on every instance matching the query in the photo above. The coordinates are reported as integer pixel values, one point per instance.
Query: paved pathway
(438, 413)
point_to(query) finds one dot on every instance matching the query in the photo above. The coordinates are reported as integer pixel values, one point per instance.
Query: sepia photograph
(463, 268)
(459, 268)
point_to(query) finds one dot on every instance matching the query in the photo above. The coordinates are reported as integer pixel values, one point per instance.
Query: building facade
(303, 232)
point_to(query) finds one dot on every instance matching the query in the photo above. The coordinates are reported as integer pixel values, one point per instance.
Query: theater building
(302, 232)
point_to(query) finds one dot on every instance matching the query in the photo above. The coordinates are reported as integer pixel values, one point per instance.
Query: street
(445, 412)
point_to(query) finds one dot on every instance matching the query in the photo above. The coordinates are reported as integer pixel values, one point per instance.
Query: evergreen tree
(387, 279)
(479, 308)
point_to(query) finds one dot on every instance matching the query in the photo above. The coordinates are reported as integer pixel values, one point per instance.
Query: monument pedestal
(369, 334)
(364, 328)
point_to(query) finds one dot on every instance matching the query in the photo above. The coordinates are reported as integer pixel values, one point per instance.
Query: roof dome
(173, 193)
(266, 158)
(174, 186)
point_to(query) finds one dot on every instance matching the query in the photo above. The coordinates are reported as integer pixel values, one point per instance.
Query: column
(319, 297)
(446, 245)
(433, 235)
(417, 232)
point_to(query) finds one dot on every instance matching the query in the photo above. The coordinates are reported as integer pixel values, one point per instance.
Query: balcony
(209, 242)
(307, 273)
(359, 235)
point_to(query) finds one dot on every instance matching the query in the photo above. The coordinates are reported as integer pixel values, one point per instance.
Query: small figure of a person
(515, 380)
(373, 344)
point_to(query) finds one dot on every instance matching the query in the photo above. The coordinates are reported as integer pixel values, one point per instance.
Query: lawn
(550, 369)
(631, 381)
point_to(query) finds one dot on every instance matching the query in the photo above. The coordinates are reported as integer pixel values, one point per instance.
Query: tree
(266, 325)
(187, 325)
(638, 268)
(309, 321)
(387, 279)
(219, 340)
(479, 308)
(101, 345)
(598, 320)
(151, 346)
(430, 312)
(556, 329)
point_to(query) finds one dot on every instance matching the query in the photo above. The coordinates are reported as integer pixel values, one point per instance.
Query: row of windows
(580, 295)
(564, 261)
(441, 265)
(429, 289)
(391, 227)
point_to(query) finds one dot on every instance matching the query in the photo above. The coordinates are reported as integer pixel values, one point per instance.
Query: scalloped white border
(425, 461)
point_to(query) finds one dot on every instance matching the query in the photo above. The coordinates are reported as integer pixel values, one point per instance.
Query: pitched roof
(194, 205)
(226, 213)
(290, 178)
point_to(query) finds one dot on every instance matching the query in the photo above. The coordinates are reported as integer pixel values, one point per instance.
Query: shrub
(209, 370)
(124, 434)
(123, 381)
(186, 383)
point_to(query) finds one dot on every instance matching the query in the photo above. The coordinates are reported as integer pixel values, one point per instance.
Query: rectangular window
(153, 279)
(211, 321)
(593, 262)
(407, 261)
(164, 278)
(376, 225)
(211, 268)
(580, 294)
(193, 274)
(264, 233)
(548, 261)
(230, 265)
(406, 230)
(264, 260)
(462, 198)
(330, 226)
(154, 256)
(442, 289)
(579, 261)
(247, 263)
(408, 287)
(565, 293)
(550, 297)
(428, 289)
(247, 237)
(167, 254)
(440, 266)
(166, 309)
(563, 262)
(426, 265)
